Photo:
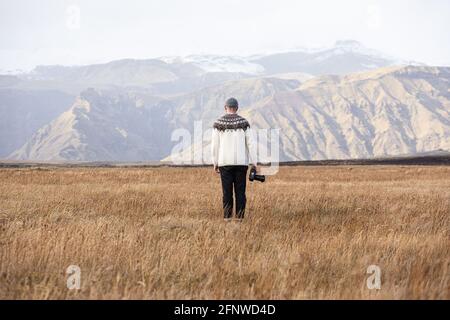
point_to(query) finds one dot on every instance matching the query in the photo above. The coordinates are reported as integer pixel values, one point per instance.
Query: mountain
(218, 63)
(127, 72)
(97, 127)
(386, 112)
(168, 76)
(389, 111)
(115, 127)
(22, 112)
(344, 101)
(152, 76)
(342, 58)
(207, 104)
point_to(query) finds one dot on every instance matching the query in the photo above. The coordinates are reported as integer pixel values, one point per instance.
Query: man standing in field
(232, 151)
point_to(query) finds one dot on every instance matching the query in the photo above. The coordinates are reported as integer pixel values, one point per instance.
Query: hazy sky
(89, 31)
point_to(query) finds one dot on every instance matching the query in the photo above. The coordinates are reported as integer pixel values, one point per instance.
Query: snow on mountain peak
(348, 44)
(217, 63)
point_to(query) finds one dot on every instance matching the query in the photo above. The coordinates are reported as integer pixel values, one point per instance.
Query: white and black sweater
(232, 141)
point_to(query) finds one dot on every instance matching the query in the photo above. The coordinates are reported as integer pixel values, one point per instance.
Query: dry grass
(310, 232)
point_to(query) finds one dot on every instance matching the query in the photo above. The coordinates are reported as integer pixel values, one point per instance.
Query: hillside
(105, 126)
(386, 112)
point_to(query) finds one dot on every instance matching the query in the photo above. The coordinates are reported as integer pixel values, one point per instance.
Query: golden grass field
(158, 233)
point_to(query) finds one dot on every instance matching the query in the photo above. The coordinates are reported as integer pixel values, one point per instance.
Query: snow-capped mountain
(184, 74)
(218, 63)
(388, 111)
(343, 101)
(343, 57)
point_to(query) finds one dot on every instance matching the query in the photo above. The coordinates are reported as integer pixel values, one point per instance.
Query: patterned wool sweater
(232, 141)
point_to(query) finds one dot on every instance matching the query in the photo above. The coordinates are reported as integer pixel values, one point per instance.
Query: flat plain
(310, 232)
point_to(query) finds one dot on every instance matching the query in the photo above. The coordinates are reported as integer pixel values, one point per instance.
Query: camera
(253, 176)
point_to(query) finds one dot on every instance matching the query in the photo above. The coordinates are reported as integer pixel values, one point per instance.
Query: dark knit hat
(232, 102)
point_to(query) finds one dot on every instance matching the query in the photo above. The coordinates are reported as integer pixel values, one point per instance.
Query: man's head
(231, 105)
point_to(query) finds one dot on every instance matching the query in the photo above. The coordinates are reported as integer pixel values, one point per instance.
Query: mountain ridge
(343, 101)
(405, 111)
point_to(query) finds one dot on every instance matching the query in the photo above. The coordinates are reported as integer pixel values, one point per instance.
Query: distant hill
(175, 75)
(23, 112)
(106, 126)
(385, 112)
(342, 102)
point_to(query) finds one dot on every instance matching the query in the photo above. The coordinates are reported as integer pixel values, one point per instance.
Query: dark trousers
(233, 177)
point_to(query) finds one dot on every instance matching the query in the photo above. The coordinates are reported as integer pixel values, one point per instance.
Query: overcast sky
(87, 31)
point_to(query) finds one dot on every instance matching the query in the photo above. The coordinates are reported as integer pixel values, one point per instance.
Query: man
(232, 152)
